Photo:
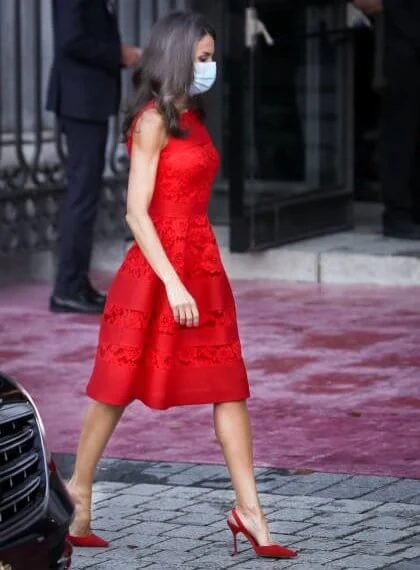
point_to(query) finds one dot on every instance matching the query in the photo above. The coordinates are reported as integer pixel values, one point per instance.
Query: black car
(35, 509)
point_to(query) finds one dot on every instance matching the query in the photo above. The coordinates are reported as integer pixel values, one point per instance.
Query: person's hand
(130, 56)
(183, 305)
(369, 7)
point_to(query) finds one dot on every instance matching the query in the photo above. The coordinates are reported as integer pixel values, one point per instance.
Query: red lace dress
(143, 354)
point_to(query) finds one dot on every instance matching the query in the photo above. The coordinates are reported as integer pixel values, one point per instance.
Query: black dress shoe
(79, 304)
(402, 229)
(93, 295)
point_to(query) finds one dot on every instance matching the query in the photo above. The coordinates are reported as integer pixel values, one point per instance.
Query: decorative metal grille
(32, 153)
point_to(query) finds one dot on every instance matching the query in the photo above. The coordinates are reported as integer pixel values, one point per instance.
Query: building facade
(280, 114)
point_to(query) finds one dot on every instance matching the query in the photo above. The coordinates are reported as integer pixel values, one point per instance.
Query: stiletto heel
(234, 531)
(268, 551)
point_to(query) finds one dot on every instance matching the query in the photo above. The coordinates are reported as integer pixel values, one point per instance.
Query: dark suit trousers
(400, 153)
(86, 144)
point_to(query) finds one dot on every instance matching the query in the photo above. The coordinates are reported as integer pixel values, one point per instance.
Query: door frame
(283, 220)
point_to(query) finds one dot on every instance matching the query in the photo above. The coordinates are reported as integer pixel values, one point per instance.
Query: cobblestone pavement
(172, 515)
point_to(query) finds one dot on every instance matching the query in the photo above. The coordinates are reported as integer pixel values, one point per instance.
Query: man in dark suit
(400, 160)
(84, 90)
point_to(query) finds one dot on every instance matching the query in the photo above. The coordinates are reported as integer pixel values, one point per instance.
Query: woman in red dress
(169, 334)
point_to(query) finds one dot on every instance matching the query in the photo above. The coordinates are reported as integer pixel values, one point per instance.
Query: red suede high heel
(269, 551)
(88, 541)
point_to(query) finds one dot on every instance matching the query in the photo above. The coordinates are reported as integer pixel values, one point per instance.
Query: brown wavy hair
(166, 69)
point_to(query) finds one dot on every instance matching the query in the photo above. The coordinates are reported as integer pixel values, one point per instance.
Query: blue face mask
(204, 77)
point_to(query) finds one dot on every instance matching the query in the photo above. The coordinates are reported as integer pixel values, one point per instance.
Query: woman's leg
(99, 424)
(233, 431)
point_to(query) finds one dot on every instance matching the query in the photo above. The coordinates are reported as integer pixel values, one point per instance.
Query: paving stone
(221, 553)
(399, 491)
(214, 563)
(212, 495)
(197, 474)
(188, 492)
(144, 489)
(136, 540)
(289, 527)
(358, 487)
(178, 526)
(320, 556)
(272, 481)
(206, 507)
(389, 522)
(405, 565)
(167, 558)
(415, 500)
(415, 529)
(171, 504)
(161, 471)
(361, 561)
(124, 557)
(324, 544)
(411, 541)
(371, 481)
(310, 484)
(373, 548)
(289, 514)
(182, 565)
(121, 501)
(328, 531)
(150, 528)
(106, 511)
(398, 510)
(337, 518)
(293, 502)
(216, 483)
(122, 471)
(182, 544)
(258, 564)
(194, 531)
(98, 497)
(299, 565)
(222, 480)
(112, 523)
(156, 515)
(220, 524)
(160, 553)
(349, 506)
(413, 552)
(382, 535)
(196, 518)
(109, 487)
(110, 565)
(174, 566)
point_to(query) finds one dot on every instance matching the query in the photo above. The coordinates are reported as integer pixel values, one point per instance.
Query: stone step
(357, 257)
(360, 258)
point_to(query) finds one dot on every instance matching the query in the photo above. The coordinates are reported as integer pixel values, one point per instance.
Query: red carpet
(334, 376)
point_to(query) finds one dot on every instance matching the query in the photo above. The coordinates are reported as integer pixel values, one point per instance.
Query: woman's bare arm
(148, 139)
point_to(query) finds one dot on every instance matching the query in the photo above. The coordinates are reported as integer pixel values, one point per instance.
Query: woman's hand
(183, 305)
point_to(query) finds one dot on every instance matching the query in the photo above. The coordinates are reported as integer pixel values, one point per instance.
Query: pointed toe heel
(88, 541)
(268, 551)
